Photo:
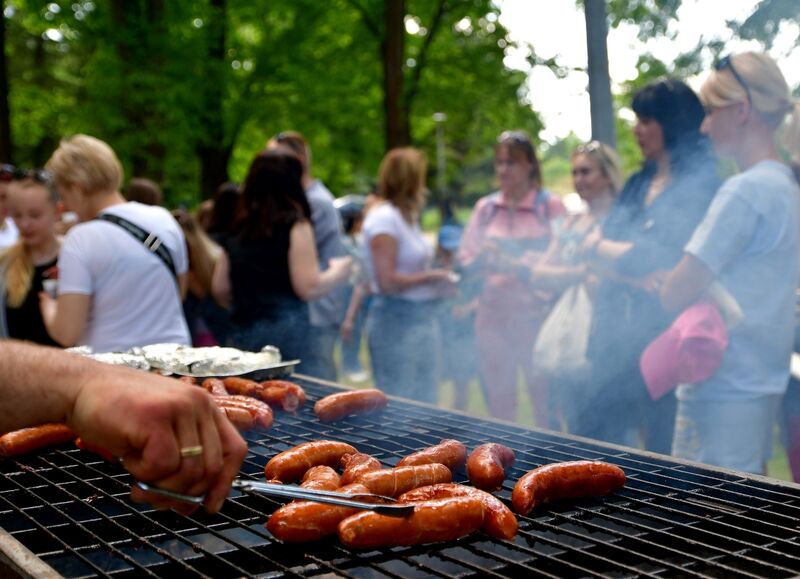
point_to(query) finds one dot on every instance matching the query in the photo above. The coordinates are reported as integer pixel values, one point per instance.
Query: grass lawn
(777, 468)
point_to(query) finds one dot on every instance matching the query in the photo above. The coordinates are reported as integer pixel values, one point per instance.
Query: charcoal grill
(64, 511)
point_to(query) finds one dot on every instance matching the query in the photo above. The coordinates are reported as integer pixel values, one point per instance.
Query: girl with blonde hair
(24, 266)
(748, 241)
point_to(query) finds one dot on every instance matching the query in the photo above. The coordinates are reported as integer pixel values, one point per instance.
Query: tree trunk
(6, 148)
(602, 109)
(214, 151)
(396, 110)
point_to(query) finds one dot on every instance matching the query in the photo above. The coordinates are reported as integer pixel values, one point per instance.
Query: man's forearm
(37, 384)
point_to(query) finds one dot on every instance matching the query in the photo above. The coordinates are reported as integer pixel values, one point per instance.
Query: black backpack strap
(151, 242)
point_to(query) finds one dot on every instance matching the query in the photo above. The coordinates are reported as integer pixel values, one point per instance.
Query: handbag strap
(151, 242)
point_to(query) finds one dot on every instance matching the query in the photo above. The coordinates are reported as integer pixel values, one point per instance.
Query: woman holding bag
(748, 242)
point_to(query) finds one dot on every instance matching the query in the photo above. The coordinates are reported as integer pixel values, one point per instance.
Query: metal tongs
(356, 501)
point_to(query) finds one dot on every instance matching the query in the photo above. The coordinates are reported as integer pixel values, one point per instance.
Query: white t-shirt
(8, 233)
(414, 253)
(135, 299)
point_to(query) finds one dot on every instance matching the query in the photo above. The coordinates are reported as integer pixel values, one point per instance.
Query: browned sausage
(322, 478)
(337, 406)
(487, 465)
(215, 386)
(261, 412)
(565, 480)
(448, 452)
(290, 464)
(239, 417)
(188, 380)
(242, 386)
(282, 394)
(431, 522)
(498, 521)
(302, 521)
(29, 439)
(355, 465)
(392, 482)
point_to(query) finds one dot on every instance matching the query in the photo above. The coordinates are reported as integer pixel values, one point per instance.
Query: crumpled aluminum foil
(208, 361)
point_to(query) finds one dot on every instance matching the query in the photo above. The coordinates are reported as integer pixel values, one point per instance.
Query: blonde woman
(24, 267)
(748, 241)
(122, 270)
(402, 332)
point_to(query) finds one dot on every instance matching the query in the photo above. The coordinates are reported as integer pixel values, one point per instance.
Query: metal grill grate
(72, 511)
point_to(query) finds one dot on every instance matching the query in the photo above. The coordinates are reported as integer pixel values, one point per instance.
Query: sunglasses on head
(12, 173)
(727, 62)
(518, 137)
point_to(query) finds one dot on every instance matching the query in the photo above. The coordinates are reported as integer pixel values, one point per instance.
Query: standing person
(649, 224)
(327, 312)
(8, 231)
(748, 242)
(33, 204)
(402, 331)
(507, 234)
(269, 268)
(122, 270)
(597, 177)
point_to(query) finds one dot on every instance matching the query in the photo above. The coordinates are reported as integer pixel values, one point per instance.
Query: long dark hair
(676, 107)
(272, 194)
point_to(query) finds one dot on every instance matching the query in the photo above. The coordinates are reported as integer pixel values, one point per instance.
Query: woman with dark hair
(656, 213)
(269, 268)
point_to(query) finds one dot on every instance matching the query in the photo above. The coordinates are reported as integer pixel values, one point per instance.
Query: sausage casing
(337, 406)
(498, 521)
(487, 465)
(322, 478)
(565, 480)
(448, 452)
(431, 522)
(282, 394)
(290, 464)
(27, 440)
(303, 521)
(260, 412)
(214, 386)
(392, 482)
(355, 465)
(241, 386)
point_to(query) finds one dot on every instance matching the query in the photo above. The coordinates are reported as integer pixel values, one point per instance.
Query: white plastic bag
(560, 348)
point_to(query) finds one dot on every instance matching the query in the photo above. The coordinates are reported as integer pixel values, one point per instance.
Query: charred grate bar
(71, 510)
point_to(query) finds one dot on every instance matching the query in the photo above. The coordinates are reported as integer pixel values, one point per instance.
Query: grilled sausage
(431, 522)
(565, 480)
(355, 465)
(322, 478)
(290, 464)
(215, 386)
(303, 521)
(29, 439)
(487, 465)
(260, 411)
(392, 482)
(498, 521)
(448, 452)
(282, 394)
(241, 386)
(337, 406)
(188, 380)
(240, 418)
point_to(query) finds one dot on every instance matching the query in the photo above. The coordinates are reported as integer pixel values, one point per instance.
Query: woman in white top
(401, 325)
(748, 241)
(114, 291)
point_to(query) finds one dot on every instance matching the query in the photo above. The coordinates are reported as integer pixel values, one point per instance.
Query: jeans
(403, 339)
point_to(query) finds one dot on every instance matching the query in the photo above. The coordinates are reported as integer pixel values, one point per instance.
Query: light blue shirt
(749, 240)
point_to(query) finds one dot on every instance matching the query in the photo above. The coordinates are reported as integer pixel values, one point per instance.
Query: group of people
(270, 256)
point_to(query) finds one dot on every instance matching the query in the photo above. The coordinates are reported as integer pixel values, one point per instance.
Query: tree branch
(369, 22)
(413, 85)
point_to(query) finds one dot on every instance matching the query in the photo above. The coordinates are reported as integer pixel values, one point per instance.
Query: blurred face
(720, 125)
(34, 213)
(650, 136)
(74, 200)
(588, 177)
(513, 170)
